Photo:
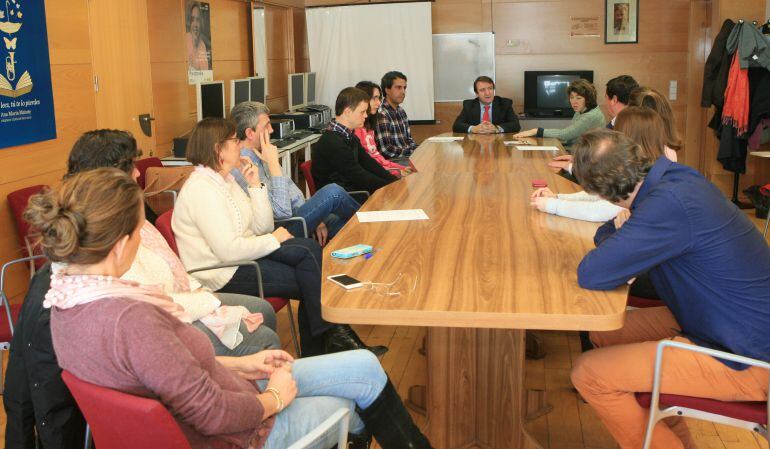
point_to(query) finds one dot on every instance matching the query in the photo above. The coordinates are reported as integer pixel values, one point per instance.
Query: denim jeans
(332, 200)
(324, 385)
(292, 271)
(264, 337)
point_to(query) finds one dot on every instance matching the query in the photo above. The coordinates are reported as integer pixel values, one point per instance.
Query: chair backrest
(163, 224)
(18, 201)
(142, 165)
(123, 421)
(307, 172)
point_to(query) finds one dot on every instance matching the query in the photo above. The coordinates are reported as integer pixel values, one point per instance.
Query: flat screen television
(545, 92)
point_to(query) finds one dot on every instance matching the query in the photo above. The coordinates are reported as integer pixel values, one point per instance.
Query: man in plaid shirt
(394, 137)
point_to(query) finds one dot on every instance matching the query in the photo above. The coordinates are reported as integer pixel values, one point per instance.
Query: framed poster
(198, 41)
(26, 97)
(621, 21)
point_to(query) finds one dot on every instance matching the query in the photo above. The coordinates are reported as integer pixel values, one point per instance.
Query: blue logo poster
(26, 96)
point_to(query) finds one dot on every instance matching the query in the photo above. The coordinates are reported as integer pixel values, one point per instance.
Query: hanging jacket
(751, 46)
(716, 69)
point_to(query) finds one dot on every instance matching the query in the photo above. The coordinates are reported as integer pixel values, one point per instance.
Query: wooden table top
(484, 259)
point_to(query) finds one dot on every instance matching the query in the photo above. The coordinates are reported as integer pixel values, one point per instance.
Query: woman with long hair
(365, 134)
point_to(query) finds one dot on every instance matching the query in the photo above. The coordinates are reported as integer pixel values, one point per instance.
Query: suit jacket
(502, 115)
(345, 162)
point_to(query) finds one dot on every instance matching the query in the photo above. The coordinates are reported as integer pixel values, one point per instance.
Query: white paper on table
(444, 139)
(536, 148)
(391, 215)
(516, 142)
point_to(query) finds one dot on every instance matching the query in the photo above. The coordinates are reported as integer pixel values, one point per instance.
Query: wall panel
(74, 107)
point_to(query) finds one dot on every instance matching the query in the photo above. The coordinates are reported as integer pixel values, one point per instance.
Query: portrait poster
(198, 41)
(621, 22)
(26, 97)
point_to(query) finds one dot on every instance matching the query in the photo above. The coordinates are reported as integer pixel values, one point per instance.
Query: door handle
(145, 123)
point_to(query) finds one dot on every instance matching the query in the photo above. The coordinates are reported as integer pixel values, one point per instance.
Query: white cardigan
(582, 206)
(214, 221)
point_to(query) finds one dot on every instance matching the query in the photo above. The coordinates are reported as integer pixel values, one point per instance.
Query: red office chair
(642, 303)
(123, 421)
(747, 415)
(18, 201)
(164, 227)
(142, 165)
(307, 172)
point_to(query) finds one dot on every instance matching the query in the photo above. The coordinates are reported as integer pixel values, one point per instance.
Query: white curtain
(348, 44)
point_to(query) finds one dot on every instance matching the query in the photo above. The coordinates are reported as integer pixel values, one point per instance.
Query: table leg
(476, 389)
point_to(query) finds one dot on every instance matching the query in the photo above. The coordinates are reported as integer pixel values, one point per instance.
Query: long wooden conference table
(483, 268)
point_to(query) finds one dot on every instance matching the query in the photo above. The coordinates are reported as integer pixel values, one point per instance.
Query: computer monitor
(257, 89)
(310, 88)
(211, 99)
(239, 91)
(296, 91)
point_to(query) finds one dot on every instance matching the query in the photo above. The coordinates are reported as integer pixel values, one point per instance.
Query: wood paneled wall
(540, 35)
(73, 95)
(174, 100)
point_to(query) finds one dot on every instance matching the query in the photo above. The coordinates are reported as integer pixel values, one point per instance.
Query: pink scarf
(68, 291)
(153, 240)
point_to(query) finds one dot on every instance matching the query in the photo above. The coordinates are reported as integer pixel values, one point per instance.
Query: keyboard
(299, 135)
(283, 143)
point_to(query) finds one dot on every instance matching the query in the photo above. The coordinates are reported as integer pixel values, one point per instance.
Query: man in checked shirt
(394, 137)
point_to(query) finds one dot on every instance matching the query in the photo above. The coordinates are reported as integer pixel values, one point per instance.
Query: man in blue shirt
(708, 262)
(325, 212)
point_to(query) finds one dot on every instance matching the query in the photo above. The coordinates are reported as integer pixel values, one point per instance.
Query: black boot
(362, 441)
(390, 423)
(342, 337)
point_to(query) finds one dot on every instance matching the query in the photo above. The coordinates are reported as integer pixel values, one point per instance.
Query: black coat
(35, 397)
(346, 163)
(502, 115)
(716, 69)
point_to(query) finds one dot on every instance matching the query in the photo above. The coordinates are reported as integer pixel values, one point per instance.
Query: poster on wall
(26, 96)
(198, 41)
(621, 21)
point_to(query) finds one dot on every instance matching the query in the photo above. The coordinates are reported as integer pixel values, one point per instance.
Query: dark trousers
(292, 271)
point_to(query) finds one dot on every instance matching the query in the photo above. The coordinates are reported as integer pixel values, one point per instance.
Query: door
(120, 52)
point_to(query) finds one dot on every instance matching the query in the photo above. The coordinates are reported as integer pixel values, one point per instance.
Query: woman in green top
(582, 98)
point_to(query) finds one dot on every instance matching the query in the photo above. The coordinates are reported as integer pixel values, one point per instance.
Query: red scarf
(736, 110)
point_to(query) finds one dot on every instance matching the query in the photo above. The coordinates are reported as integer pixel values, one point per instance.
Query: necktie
(485, 117)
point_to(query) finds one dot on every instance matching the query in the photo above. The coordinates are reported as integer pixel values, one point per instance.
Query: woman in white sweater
(645, 127)
(214, 221)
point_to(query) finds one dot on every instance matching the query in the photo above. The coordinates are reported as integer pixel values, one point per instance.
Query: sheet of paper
(516, 142)
(444, 139)
(536, 148)
(391, 215)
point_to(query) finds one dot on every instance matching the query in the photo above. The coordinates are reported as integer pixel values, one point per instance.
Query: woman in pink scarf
(132, 338)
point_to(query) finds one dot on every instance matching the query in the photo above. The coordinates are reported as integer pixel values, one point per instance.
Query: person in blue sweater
(710, 266)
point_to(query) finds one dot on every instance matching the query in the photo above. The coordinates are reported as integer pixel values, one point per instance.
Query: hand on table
(484, 128)
(543, 192)
(527, 133)
(561, 162)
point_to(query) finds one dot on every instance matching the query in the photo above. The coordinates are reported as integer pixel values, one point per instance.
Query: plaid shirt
(393, 134)
(285, 196)
(337, 128)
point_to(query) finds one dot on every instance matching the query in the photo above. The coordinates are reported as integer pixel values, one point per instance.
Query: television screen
(545, 92)
(297, 86)
(310, 88)
(240, 91)
(552, 91)
(212, 100)
(258, 89)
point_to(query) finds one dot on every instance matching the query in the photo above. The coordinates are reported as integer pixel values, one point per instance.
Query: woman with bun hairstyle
(132, 338)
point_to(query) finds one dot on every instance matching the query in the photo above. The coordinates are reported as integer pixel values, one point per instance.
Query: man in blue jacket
(710, 266)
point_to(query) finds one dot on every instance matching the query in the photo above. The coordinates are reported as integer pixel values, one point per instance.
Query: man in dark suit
(487, 113)
(618, 94)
